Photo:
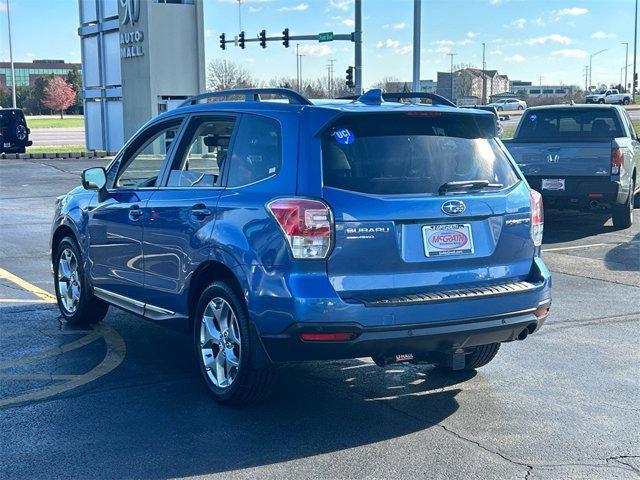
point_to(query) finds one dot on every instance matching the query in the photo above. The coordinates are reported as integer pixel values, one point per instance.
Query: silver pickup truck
(580, 157)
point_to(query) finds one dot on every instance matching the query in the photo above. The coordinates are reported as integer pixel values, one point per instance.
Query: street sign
(325, 37)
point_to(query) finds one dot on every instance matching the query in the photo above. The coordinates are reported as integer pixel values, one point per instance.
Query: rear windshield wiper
(467, 185)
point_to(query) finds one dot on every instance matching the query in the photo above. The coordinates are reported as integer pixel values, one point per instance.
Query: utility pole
(358, 47)
(484, 76)
(591, 60)
(635, 46)
(540, 80)
(239, 15)
(417, 22)
(626, 63)
(586, 77)
(13, 72)
(298, 66)
(451, 73)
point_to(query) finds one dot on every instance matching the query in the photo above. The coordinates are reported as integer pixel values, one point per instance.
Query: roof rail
(390, 96)
(251, 95)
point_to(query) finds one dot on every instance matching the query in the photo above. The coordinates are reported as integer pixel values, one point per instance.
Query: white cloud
(443, 50)
(31, 55)
(519, 23)
(316, 50)
(348, 22)
(571, 12)
(515, 58)
(472, 34)
(571, 53)
(341, 4)
(208, 32)
(388, 43)
(602, 35)
(250, 60)
(254, 9)
(295, 8)
(407, 49)
(444, 42)
(396, 26)
(495, 2)
(495, 52)
(554, 38)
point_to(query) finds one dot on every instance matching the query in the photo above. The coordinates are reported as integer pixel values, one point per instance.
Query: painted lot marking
(592, 245)
(38, 292)
(116, 350)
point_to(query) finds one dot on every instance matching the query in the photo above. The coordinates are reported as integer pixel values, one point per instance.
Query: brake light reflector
(307, 225)
(537, 217)
(617, 160)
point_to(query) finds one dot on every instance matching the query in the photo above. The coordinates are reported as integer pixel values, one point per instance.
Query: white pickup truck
(609, 96)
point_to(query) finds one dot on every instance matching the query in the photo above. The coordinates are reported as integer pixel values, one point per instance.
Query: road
(125, 401)
(57, 136)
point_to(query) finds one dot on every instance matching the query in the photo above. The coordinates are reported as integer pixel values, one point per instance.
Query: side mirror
(94, 178)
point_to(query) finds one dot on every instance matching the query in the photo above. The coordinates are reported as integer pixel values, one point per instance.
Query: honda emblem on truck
(453, 207)
(553, 157)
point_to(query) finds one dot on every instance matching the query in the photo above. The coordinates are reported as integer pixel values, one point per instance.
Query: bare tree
(224, 74)
(392, 84)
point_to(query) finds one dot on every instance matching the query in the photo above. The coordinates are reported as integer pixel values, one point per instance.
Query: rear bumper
(580, 192)
(312, 306)
(418, 339)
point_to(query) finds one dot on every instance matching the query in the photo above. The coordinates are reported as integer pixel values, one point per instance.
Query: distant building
(534, 91)
(427, 86)
(468, 83)
(27, 72)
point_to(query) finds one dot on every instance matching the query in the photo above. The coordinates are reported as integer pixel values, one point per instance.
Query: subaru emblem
(453, 207)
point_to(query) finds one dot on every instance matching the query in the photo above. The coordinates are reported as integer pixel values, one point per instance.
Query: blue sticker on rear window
(533, 118)
(344, 136)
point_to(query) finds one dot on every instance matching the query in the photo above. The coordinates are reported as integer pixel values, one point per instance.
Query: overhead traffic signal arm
(241, 40)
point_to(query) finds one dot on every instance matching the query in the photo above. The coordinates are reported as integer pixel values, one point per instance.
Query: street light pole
(591, 62)
(484, 76)
(451, 73)
(358, 47)
(626, 62)
(417, 6)
(13, 72)
(635, 46)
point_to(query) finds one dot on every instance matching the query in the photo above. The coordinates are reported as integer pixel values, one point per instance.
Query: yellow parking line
(38, 292)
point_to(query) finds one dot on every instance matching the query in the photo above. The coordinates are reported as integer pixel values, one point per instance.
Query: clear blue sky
(525, 38)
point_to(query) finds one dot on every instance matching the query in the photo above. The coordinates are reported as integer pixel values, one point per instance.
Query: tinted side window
(203, 158)
(142, 167)
(257, 151)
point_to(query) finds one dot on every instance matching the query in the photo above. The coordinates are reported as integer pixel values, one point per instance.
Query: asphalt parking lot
(123, 400)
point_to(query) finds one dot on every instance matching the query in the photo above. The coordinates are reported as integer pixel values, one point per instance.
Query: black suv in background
(14, 134)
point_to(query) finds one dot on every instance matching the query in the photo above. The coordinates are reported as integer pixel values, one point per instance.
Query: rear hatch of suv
(425, 203)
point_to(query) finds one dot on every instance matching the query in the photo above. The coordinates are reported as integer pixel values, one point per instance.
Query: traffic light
(349, 81)
(223, 46)
(635, 81)
(285, 37)
(263, 38)
(241, 39)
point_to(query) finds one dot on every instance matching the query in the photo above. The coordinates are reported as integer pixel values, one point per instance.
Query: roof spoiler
(250, 95)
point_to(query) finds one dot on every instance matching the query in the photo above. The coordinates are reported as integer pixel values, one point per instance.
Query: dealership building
(27, 72)
(139, 58)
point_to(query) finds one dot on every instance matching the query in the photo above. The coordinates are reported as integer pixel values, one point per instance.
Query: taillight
(307, 225)
(617, 160)
(537, 217)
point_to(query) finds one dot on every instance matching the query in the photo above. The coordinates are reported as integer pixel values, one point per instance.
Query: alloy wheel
(220, 342)
(69, 285)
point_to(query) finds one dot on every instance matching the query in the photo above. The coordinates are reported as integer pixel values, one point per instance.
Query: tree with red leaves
(59, 95)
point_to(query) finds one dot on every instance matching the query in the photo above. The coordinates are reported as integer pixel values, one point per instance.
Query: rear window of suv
(570, 123)
(412, 153)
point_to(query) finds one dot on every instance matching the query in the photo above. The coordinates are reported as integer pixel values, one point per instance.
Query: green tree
(74, 78)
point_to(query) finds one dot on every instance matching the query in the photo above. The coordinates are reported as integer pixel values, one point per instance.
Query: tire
(88, 309)
(601, 100)
(622, 215)
(227, 369)
(499, 109)
(479, 357)
(520, 107)
(626, 101)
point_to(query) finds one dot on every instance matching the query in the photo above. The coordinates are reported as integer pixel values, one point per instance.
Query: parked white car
(609, 96)
(508, 104)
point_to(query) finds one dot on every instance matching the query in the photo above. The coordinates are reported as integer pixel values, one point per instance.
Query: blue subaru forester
(287, 230)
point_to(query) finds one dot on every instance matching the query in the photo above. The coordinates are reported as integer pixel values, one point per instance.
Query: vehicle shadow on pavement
(152, 416)
(567, 225)
(625, 256)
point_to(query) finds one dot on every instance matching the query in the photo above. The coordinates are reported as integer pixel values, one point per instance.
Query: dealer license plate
(449, 239)
(553, 184)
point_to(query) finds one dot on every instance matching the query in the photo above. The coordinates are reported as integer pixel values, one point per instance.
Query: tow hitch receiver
(382, 361)
(457, 360)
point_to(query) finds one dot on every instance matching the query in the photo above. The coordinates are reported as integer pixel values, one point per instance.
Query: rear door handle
(135, 212)
(200, 211)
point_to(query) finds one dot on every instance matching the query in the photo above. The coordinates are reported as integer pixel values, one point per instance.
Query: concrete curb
(38, 156)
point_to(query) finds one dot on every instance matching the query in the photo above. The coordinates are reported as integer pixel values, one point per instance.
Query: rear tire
(520, 107)
(223, 349)
(626, 101)
(622, 215)
(86, 308)
(479, 357)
